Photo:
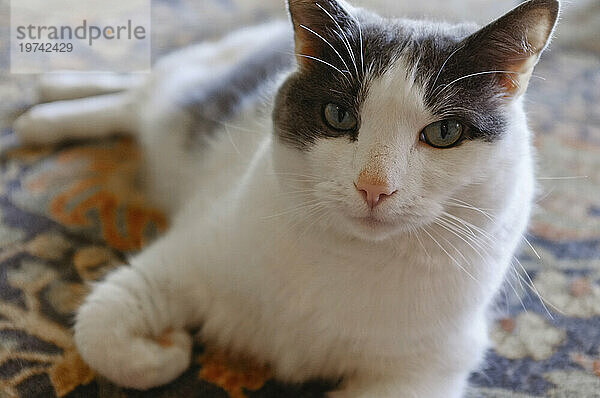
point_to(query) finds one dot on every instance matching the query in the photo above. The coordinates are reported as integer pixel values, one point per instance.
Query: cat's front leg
(427, 385)
(132, 328)
(441, 372)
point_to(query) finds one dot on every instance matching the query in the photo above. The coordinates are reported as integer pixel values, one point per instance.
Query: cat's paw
(161, 360)
(141, 362)
(120, 333)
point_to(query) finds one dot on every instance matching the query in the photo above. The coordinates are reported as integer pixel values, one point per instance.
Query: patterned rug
(70, 213)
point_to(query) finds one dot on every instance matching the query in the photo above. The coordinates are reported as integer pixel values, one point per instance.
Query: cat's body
(278, 247)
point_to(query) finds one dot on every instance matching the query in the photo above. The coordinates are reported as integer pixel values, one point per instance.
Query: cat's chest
(388, 288)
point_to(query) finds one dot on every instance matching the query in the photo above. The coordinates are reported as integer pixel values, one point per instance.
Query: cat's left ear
(514, 43)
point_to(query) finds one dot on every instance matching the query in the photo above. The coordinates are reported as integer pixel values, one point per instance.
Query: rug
(69, 213)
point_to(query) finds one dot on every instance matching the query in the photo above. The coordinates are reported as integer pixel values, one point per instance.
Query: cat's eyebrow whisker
(445, 86)
(342, 72)
(444, 64)
(344, 39)
(328, 43)
(360, 36)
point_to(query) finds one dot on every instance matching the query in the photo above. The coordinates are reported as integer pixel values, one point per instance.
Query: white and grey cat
(347, 212)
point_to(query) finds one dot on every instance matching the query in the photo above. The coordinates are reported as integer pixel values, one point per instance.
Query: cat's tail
(83, 106)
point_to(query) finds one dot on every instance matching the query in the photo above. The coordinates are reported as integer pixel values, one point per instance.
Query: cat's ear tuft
(514, 42)
(317, 22)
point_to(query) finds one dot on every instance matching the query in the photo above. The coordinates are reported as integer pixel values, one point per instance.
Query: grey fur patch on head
(463, 72)
(212, 105)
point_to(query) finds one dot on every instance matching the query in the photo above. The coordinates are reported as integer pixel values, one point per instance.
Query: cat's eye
(443, 134)
(339, 118)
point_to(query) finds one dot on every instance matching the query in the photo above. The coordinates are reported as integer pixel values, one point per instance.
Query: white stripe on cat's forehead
(395, 102)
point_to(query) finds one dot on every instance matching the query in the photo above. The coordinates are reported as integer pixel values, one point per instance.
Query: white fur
(294, 278)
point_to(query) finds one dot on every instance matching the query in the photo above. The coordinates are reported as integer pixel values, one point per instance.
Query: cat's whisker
(298, 192)
(532, 248)
(468, 229)
(455, 249)
(444, 64)
(316, 216)
(479, 242)
(328, 43)
(466, 205)
(545, 196)
(282, 173)
(312, 215)
(344, 39)
(301, 207)
(342, 72)
(417, 236)
(448, 228)
(471, 226)
(450, 256)
(529, 283)
(487, 215)
(562, 178)
(516, 293)
(231, 140)
(445, 86)
(233, 126)
(360, 37)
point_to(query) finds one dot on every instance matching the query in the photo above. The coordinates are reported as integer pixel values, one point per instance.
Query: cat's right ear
(513, 44)
(317, 24)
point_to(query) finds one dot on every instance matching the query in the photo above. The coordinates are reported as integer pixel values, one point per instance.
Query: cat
(348, 212)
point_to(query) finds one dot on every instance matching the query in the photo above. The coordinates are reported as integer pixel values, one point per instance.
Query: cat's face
(386, 120)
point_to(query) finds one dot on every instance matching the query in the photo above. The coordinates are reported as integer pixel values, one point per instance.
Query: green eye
(339, 118)
(442, 134)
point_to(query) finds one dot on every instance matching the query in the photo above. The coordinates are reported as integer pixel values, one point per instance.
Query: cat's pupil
(341, 114)
(444, 129)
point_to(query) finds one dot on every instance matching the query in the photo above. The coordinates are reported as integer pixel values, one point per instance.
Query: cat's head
(386, 119)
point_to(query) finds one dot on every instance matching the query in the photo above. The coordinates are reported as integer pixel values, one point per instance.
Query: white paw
(137, 362)
(160, 360)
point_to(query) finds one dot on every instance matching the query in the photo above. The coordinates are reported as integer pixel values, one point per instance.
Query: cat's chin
(375, 229)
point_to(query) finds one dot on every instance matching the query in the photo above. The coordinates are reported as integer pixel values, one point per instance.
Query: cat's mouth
(390, 224)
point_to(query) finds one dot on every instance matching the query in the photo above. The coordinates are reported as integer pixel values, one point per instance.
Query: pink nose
(373, 193)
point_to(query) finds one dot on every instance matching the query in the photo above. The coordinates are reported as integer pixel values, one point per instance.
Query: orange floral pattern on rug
(102, 181)
(233, 375)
